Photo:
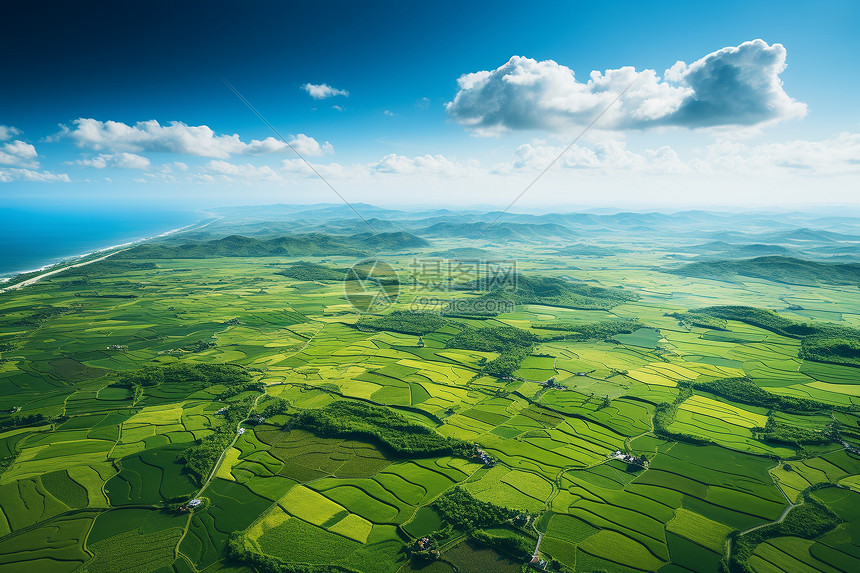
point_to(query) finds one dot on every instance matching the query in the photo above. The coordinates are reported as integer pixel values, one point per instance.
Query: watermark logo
(438, 274)
(371, 285)
(462, 306)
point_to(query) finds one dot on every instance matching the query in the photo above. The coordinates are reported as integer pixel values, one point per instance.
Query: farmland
(319, 438)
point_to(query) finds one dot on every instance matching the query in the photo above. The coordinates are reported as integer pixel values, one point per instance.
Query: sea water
(32, 238)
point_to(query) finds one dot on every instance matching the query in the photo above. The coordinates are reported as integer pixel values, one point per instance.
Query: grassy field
(101, 428)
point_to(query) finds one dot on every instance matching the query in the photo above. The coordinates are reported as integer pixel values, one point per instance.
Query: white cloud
(835, 156)
(306, 145)
(9, 175)
(389, 113)
(838, 155)
(18, 153)
(437, 165)
(176, 137)
(122, 160)
(322, 91)
(8, 132)
(290, 169)
(603, 171)
(245, 173)
(735, 86)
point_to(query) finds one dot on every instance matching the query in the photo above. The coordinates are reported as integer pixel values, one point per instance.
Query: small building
(116, 347)
(484, 457)
(195, 502)
(241, 431)
(629, 459)
(537, 563)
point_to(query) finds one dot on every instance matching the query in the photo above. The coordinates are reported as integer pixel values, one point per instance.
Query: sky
(730, 104)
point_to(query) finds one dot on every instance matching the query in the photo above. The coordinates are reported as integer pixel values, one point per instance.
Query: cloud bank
(322, 91)
(734, 86)
(123, 160)
(177, 137)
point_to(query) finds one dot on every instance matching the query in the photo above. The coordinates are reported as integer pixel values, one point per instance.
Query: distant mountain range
(719, 234)
(526, 232)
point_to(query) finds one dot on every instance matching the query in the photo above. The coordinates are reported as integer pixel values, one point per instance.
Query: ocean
(32, 238)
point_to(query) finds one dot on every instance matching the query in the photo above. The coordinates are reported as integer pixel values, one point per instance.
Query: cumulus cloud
(8, 132)
(18, 153)
(734, 86)
(175, 137)
(122, 160)
(322, 91)
(306, 145)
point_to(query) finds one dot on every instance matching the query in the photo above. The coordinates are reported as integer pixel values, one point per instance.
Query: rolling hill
(779, 269)
(313, 244)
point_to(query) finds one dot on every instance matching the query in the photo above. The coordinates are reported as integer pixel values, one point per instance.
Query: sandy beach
(52, 270)
(37, 278)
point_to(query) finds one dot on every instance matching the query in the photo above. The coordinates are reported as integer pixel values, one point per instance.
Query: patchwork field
(623, 447)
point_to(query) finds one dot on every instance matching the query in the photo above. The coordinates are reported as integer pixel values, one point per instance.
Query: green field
(116, 411)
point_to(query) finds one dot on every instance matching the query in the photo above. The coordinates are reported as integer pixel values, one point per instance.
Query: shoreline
(61, 265)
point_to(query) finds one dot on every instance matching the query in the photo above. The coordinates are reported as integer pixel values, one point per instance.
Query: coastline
(61, 265)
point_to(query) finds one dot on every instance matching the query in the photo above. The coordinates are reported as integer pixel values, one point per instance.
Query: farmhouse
(195, 502)
(630, 459)
(484, 457)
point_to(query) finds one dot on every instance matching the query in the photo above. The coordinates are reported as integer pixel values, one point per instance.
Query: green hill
(311, 244)
(779, 269)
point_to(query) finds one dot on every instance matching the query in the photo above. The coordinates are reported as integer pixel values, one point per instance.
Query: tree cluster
(808, 520)
(235, 550)
(512, 344)
(517, 548)
(746, 391)
(699, 319)
(306, 271)
(401, 436)
(200, 458)
(603, 330)
(415, 322)
(791, 435)
(462, 510)
(821, 342)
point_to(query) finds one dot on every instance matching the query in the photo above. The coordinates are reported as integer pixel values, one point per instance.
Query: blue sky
(398, 128)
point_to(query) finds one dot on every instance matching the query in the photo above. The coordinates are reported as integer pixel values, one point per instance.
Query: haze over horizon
(414, 105)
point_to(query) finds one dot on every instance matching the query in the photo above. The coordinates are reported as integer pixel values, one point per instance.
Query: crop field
(627, 451)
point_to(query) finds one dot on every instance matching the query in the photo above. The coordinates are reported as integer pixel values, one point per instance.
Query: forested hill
(780, 269)
(526, 232)
(312, 244)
